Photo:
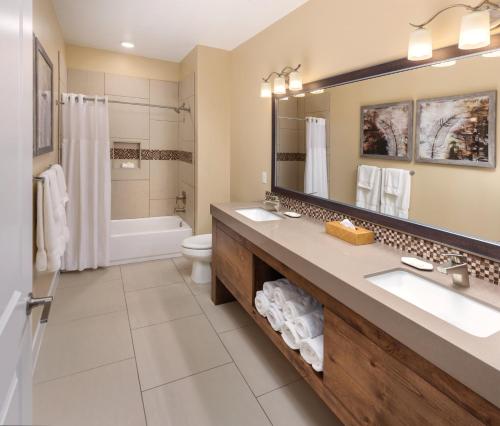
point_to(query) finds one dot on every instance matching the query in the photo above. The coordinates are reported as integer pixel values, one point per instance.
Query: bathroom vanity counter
(337, 271)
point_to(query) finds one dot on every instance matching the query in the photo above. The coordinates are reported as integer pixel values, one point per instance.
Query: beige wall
(436, 188)
(211, 70)
(86, 58)
(187, 134)
(46, 28)
(327, 37)
(213, 133)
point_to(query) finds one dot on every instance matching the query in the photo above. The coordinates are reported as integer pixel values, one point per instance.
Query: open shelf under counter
(369, 377)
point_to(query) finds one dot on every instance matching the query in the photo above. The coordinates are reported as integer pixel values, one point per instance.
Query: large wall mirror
(408, 145)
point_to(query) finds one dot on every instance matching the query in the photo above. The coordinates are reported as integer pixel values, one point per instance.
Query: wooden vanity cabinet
(369, 377)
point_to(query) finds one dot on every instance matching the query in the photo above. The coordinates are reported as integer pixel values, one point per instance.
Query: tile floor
(142, 344)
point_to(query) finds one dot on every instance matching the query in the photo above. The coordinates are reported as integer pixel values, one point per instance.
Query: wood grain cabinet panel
(233, 266)
(377, 388)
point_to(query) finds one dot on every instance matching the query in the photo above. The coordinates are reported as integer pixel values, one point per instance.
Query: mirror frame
(440, 235)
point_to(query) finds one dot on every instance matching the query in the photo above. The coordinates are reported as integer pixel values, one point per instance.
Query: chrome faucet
(182, 197)
(457, 268)
(274, 202)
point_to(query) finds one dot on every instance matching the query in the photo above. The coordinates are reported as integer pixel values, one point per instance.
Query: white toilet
(198, 248)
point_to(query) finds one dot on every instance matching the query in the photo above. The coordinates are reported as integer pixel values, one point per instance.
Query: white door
(15, 210)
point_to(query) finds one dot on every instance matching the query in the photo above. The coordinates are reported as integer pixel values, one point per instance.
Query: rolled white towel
(310, 325)
(275, 317)
(289, 335)
(284, 294)
(262, 303)
(294, 309)
(269, 286)
(312, 352)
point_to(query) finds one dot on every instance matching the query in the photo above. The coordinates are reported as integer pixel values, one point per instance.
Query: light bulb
(295, 82)
(127, 44)
(279, 86)
(475, 30)
(420, 45)
(265, 89)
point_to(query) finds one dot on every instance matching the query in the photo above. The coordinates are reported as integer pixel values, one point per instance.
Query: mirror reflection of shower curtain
(316, 169)
(86, 163)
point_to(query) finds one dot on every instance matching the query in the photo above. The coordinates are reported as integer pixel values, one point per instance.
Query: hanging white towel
(312, 352)
(368, 188)
(269, 286)
(310, 325)
(52, 228)
(396, 192)
(58, 203)
(316, 168)
(275, 317)
(41, 254)
(61, 183)
(262, 303)
(289, 335)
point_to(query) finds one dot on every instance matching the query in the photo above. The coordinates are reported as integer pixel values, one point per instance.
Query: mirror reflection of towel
(396, 192)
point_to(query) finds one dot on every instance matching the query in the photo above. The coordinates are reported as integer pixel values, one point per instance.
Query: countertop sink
(258, 214)
(469, 315)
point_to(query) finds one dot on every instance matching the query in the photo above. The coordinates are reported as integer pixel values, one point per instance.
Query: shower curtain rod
(176, 109)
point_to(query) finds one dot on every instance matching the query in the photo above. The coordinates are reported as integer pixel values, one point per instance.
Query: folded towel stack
(269, 287)
(262, 303)
(312, 352)
(310, 325)
(275, 317)
(296, 315)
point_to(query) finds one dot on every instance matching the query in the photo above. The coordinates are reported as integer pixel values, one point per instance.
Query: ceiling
(167, 29)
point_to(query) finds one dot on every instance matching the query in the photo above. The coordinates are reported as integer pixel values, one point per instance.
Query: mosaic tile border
(151, 154)
(290, 156)
(479, 267)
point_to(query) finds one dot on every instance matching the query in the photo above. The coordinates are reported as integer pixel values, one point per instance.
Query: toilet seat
(198, 242)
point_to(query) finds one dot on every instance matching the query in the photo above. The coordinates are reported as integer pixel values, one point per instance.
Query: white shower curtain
(316, 171)
(86, 162)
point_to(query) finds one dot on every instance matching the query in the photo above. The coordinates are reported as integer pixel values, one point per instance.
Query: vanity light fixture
(475, 30)
(127, 44)
(279, 86)
(444, 64)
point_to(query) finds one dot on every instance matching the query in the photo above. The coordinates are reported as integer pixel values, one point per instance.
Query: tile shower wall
(147, 136)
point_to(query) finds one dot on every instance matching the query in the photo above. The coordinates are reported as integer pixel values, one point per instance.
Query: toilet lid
(198, 242)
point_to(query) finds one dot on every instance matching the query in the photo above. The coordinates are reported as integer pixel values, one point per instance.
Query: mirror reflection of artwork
(457, 130)
(387, 131)
(42, 142)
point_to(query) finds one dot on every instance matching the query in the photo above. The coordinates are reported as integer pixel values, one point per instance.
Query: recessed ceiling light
(495, 54)
(128, 45)
(444, 64)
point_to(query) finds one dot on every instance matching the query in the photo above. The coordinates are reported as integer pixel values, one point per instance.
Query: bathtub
(150, 238)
